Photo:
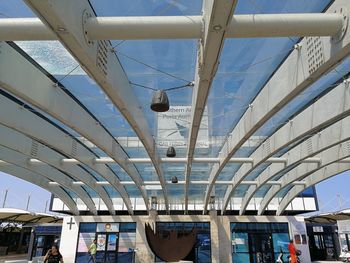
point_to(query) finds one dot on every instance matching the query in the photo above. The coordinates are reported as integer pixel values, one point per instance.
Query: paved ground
(13, 257)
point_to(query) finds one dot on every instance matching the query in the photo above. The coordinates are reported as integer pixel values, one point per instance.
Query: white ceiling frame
(217, 17)
(23, 144)
(314, 146)
(41, 182)
(39, 90)
(180, 27)
(292, 77)
(11, 156)
(98, 59)
(107, 160)
(302, 171)
(324, 112)
(20, 119)
(315, 178)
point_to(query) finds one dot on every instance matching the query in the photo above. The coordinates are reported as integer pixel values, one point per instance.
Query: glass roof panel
(229, 171)
(246, 64)
(90, 191)
(240, 191)
(174, 169)
(196, 192)
(147, 171)
(199, 171)
(111, 191)
(147, 7)
(220, 190)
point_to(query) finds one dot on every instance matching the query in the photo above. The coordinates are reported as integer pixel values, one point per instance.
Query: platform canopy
(329, 217)
(258, 92)
(13, 215)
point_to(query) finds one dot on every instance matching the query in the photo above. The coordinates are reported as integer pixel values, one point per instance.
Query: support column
(214, 237)
(144, 253)
(224, 239)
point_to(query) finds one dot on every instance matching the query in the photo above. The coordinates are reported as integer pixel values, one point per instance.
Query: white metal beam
(313, 119)
(18, 118)
(23, 144)
(108, 160)
(297, 72)
(317, 177)
(157, 183)
(302, 171)
(180, 27)
(335, 134)
(217, 16)
(16, 158)
(36, 88)
(43, 183)
(100, 62)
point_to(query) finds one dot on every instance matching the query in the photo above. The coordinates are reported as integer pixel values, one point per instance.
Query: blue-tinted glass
(87, 227)
(127, 227)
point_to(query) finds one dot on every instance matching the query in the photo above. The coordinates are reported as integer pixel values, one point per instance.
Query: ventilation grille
(102, 53)
(74, 148)
(267, 145)
(34, 149)
(309, 146)
(315, 53)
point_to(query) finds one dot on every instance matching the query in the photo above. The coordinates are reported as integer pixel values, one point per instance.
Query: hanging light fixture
(171, 152)
(160, 101)
(154, 202)
(174, 180)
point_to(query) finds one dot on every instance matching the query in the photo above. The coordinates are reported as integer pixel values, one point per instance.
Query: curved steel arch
(208, 55)
(329, 156)
(332, 135)
(102, 64)
(317, 177)
(39, 90)
(292, 77)
(21, 160)
(319, 115)
(23, 144)
(18, 118)
(321, 141)
(42, 182)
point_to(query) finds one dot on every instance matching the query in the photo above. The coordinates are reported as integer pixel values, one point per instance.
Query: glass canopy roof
(246, 65)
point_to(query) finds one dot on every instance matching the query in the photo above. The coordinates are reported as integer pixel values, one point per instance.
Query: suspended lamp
(174, 180)
(160, 101)
(171, 152)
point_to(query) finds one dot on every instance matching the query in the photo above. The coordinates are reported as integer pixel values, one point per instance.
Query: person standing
(53, 255)
(292, 252)
(92, 251)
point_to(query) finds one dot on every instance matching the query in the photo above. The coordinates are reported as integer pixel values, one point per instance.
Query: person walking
(53, 255)
(292, 252)
(92, 251)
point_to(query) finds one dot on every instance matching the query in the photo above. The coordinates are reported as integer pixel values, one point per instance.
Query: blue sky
(19, 191)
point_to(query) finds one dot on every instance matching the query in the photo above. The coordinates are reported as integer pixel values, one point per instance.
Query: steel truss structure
(54, 138)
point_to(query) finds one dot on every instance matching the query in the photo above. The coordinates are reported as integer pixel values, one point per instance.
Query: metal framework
(302, 171)
(293, 76)
(319, 176)
(182, 27)
(42, 92)
(310, 121)
(42, 182)
(35, 149)
(112, 79)
(18, 118)
(31, 148)
(217, 17)
(313, 146)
